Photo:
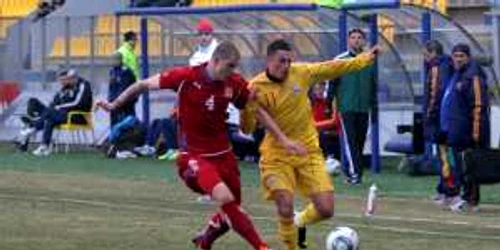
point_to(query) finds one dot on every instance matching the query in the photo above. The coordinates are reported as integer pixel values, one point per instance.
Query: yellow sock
(288, 233)
(308, 216)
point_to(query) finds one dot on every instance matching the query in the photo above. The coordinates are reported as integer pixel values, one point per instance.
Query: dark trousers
(453, 175)
(355, 128)
(329, 143)
(166, 127)
(48, 118)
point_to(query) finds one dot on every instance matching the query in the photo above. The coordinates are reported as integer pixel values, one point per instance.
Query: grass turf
(85, 201)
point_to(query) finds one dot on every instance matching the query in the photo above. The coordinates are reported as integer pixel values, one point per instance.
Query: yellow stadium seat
(5, 23)
(11, 10)
(104, 46)
(105, 25)
(80, 46)
(17, 8)
(200, 3)
(440, 5)
(129, 23)
(78, 131)
(386, 26)
(58, 49)
(295, 1)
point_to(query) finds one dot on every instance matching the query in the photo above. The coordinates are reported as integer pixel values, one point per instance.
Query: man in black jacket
(75, 95)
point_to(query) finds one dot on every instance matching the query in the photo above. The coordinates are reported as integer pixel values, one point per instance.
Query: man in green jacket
(129, 57)
(355, 96)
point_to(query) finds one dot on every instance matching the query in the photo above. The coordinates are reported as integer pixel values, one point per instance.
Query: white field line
(430, 219)
(269, 218)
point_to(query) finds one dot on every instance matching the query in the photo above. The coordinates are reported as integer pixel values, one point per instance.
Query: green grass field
(85, 201)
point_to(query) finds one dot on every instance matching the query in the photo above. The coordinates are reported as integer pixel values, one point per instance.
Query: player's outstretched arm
(291, 146)
(335, 68)
(131, 92)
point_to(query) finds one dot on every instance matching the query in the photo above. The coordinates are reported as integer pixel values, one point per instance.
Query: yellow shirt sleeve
(327, 70)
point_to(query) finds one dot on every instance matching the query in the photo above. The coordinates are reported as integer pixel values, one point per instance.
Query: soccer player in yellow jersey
(290, 154)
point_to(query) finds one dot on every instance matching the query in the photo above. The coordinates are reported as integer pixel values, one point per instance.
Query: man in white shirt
(206, 43)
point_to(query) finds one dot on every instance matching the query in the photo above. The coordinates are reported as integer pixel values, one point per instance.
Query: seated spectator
(126, 135)
(166, 128)
(327, 122)
(75, 95)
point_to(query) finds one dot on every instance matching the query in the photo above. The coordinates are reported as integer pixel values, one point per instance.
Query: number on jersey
(209, 103)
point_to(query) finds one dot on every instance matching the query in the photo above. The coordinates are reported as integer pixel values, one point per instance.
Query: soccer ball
(332, 166)
(342, 238)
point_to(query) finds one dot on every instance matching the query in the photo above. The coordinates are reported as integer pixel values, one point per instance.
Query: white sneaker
(145, 150)
(125, 154)
(458, 205)
(296, 219)
(205, 199)
(43, 150)
(27, 132)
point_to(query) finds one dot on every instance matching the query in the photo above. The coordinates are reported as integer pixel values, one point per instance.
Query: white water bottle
(371, 201)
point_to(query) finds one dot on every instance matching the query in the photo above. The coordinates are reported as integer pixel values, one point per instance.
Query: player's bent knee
(325, 211)
(324, 204)
(284, 203)
(222, 194)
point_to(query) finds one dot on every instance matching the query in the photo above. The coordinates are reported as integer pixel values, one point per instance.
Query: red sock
(242, 224)
(217, 226)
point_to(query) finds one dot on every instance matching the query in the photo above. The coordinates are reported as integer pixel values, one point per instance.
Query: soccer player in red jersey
(207, 164)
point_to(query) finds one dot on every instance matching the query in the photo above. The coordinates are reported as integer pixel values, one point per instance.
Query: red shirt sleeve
(241, 95)
(172, 79)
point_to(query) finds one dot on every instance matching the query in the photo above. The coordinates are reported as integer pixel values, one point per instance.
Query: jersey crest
(296, 88)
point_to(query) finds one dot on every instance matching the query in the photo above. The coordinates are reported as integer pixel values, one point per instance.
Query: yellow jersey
(288, 103)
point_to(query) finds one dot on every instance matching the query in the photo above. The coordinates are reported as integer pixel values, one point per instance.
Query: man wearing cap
(75, 95)
(464, 124)
(206, 43)
(129, 57)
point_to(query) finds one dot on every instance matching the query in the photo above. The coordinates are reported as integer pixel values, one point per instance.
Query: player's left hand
(375, 50)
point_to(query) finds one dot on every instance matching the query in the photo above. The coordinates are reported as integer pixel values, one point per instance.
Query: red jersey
(319, 107)
(321, 120)
(202, 105)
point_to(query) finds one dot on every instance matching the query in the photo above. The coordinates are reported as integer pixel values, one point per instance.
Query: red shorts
(201, 174)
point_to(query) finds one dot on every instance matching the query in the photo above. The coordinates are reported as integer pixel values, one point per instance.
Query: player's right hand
(105, 105)
(295, 148)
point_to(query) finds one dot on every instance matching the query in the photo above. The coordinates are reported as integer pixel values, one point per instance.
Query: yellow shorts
(307, 174)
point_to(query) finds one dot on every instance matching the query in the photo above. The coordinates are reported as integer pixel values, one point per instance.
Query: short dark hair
(461, 47)
(276, 45)
(226, 50)
(356, 30)
(434, 46)
(129, 36)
